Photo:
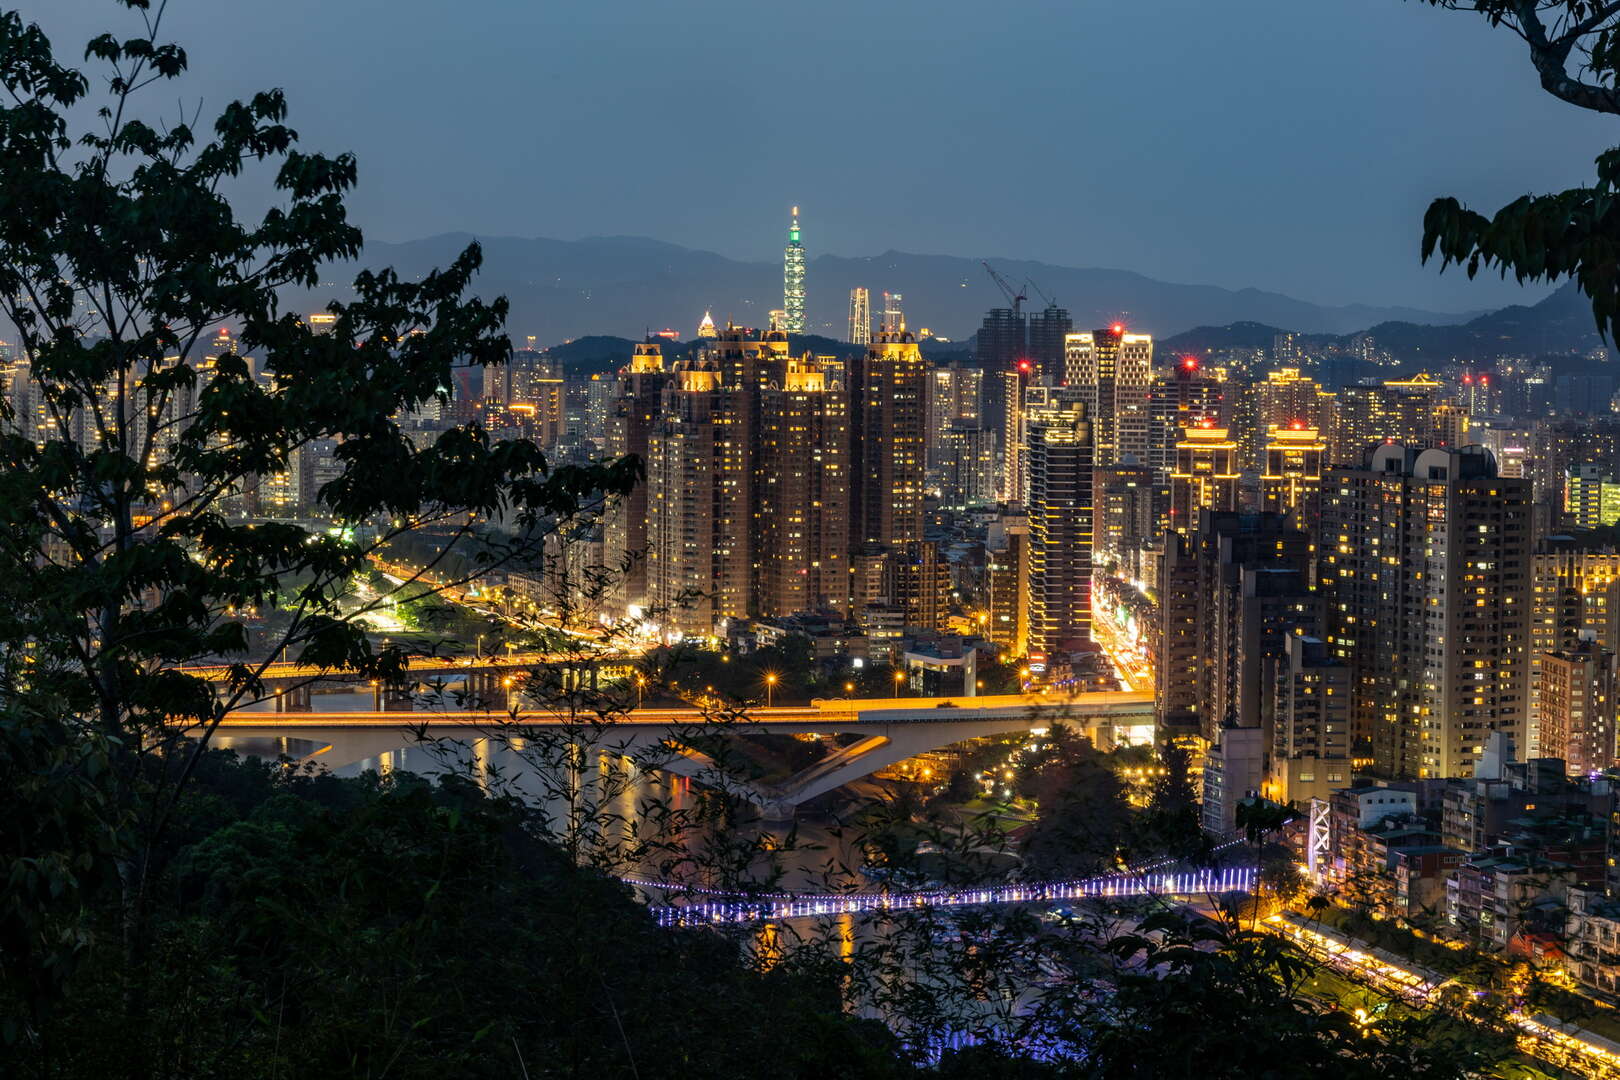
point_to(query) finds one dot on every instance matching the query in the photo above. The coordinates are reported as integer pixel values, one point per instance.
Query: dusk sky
(1281, 144)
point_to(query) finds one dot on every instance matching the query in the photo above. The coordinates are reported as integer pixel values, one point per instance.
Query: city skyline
(1221, 159)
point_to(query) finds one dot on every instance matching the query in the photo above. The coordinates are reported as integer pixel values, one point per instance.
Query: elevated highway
(890, 729)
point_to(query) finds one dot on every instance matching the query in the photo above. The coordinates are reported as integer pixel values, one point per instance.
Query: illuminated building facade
(1185, 396)
(1591, 499)
(1124, 519)
(860, 316)
(793, 279)
(1113, 370)
(1291, 481)
(699, 560)
(1575, 596)
(1285, 398)
(1007, 575)
(802, 490)
(1398, 411)
(887, 412)
(636, 410)
(955, 395)
(1311, 746)
(1425, 560)
(1205, 476)
(1059, 463)
(1577, 708)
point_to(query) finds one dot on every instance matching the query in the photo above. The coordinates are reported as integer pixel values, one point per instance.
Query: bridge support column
(294, 699)
(396, 698)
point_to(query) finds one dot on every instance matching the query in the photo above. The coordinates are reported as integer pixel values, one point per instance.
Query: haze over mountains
(623, 285)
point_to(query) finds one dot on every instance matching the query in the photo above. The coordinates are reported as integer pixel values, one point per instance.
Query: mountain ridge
(623, 285)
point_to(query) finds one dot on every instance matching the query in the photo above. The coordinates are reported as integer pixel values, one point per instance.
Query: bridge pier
(294, 699)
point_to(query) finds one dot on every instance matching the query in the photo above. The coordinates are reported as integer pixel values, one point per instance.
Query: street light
(899, 678)
(641, 690)
(770, 687)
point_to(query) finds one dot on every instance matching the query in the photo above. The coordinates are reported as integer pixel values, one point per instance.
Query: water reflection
(639, 820)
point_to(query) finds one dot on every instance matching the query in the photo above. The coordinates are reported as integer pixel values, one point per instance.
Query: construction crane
(1014, 297)
(1029, 283)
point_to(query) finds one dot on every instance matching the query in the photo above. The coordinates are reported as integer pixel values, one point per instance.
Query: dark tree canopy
(1574, 46)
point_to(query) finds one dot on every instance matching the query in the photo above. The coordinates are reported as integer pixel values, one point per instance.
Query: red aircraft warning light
(1190, 363)
(1118, 328)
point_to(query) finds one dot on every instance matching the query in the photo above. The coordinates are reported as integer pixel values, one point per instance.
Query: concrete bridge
(294, 687)
(890, 730)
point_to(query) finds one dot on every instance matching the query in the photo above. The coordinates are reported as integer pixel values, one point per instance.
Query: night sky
(1284, 144)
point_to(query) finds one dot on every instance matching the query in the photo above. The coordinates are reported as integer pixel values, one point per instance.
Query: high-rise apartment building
(1113, 370)
(860, 316)
(892, 319)
(1425, 562)
(1291, 480)
(955, 394)
(965, 470)
(1124, 496)
(1397, 411)
(637, 410)
(1049, 330)
(1575, 596)
(1591, 499)
(1183, 397)
(1007, 573)
(1059, 463)
(801, 484)
(888, 403)
(793, 279)
(1205, 476)
(699, 559)
(1285, 398)
(1577, 708)
(1311, 741)
(1230, 593)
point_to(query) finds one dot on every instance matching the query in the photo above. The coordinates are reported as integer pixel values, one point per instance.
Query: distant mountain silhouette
(624, 285)
(1562, 323)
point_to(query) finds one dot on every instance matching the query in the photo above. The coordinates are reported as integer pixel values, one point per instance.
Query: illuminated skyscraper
(1424, 562)
(1124, 519)
(1184, 397)
(1205, 477)
(1397, 411)
(1284, 398)
(888, 403)
(635, 412)
(699, 532)
(706, 328)
(1291, 481)
(793, 279)
(1591, 499)
(1113, 370)
(1007, 574)
(893, 319)
(860, 316)
(1575, 597)
(1059, 465)
(1577, 708)
(801, 483)
(955, 393)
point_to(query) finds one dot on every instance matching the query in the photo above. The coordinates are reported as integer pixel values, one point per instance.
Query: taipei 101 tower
(793, 279)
